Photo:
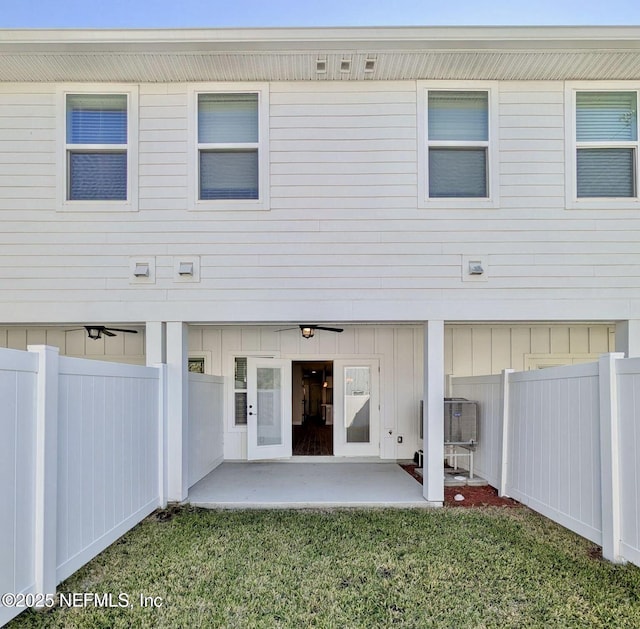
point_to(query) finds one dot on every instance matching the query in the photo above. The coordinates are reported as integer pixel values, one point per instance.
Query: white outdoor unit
(460, 422)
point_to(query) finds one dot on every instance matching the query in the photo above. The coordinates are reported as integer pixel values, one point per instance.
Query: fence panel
(487, 391)
(18, 374)
(554, 445)
(206, 428)
(107, 455)
(629, 426)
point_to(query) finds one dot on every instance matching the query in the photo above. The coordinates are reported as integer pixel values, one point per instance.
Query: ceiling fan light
(94, 333)
(307, 331)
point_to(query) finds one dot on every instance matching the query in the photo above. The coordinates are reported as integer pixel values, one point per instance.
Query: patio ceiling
(489, 53)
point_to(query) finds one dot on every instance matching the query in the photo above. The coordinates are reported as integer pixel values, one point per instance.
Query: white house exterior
(457, 200)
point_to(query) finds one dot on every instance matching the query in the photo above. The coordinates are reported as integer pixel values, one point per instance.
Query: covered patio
(293, 485)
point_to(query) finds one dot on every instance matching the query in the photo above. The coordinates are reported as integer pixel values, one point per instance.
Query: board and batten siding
(122, 348)
(398, 349)
(343, 239)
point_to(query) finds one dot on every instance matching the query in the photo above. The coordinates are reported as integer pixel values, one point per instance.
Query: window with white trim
(230, 155)
(602, 145)
(606, 144)
(96, 147)
(457, 154)
(458, 142)
(98, 156)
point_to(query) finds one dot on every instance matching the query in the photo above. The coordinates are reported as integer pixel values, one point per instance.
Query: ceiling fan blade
(324, 327)
(286, 329)
(107, 332)
(120, 330)
(75, 330)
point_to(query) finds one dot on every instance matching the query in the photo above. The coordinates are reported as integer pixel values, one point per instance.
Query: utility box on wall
(460, 422)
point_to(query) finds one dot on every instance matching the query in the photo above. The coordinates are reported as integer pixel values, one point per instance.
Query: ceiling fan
(308, 330)
(96, 331)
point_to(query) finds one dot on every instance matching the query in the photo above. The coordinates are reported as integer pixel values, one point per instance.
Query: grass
(449, 567)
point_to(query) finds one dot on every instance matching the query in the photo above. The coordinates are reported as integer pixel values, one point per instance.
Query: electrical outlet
(399, 438)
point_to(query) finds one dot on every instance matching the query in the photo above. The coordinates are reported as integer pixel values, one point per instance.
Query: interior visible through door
(312, 411)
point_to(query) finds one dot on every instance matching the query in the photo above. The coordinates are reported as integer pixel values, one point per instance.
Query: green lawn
(446, 567)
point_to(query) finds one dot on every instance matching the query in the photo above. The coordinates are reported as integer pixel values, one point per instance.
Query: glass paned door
(268, 408)
(356, 408)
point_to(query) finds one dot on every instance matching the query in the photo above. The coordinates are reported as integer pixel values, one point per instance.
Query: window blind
(606, 117)
(229, 174)
(458, 116)
(96, 119)
(227, 118)
(98, 176)
(458, 173)
(606, 172)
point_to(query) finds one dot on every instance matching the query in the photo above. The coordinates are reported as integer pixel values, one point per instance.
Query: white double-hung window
(229, 157)
(97, 161)
(456, 149)
(603, 146)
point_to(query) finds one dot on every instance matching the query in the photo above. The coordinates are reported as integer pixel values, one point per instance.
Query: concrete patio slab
(307, 485)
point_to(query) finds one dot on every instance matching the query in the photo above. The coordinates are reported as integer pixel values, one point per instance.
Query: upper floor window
(231, 156)
(98, 159)
(96, 147)
(458, 159)
(606, 144)
(602, 145)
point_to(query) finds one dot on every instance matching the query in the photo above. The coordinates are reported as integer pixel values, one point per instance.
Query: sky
(305, 13)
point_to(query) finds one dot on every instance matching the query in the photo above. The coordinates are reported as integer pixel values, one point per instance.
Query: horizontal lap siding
(343, 225)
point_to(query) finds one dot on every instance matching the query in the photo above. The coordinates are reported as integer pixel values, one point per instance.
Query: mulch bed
(484, 496)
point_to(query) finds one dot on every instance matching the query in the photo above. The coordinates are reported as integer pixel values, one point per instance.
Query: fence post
(506, 419)
(610, 457)
(162, 428)
(46, 472)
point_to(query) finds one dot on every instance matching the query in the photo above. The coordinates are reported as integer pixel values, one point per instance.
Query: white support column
(628, 337)
(46, 469)
(155, 343)
(177, 411)
(610, 458)
(433, 427)
(504, 462)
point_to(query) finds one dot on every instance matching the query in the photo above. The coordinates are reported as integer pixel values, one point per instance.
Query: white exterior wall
(344, 239)
(398, 349)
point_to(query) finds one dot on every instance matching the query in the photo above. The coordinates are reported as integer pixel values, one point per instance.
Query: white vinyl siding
(603, 147)
(344, 239)
(97, 155)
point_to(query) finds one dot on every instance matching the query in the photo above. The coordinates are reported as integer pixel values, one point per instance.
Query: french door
(268, 408)
(356, 408)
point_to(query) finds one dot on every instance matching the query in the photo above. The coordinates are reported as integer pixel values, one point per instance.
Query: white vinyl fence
(79, 463)
(565, 441)
(18, 374)
(629, 408)
(206, 428)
